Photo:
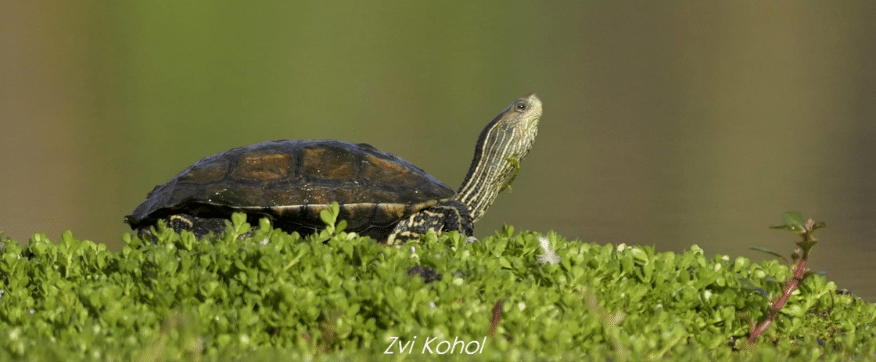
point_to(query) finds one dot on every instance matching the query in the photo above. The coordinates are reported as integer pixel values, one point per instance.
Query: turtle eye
(520, 107)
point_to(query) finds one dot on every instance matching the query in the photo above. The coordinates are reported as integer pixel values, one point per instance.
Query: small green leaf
(793, 219)
(768, 251)
(329, 216)
(238, 219)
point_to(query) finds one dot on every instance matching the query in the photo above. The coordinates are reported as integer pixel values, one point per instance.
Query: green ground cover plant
(257, 293)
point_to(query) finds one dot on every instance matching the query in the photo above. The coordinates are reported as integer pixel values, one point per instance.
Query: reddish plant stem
(497, 316)
(775, 307)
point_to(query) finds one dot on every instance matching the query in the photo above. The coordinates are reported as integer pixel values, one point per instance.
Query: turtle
(379, 194)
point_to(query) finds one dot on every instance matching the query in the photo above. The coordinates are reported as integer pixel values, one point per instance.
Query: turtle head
(501, 146)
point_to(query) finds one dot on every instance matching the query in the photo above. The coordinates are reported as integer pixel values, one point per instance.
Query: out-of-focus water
(665, 125)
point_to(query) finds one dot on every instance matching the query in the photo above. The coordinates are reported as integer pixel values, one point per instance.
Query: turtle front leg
(445, 216)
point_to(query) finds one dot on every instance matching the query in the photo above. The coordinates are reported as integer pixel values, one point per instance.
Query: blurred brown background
(666, 123)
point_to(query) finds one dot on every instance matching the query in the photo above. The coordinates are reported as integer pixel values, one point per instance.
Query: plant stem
(775, 307)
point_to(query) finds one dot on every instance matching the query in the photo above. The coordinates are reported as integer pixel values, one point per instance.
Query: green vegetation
(262, 294)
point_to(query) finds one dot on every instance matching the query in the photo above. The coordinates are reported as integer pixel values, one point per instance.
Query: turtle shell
(291, 181)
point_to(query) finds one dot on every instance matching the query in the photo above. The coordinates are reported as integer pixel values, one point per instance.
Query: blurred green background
(665, 123)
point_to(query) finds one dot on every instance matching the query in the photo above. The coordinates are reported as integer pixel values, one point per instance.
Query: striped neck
(501, 146)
